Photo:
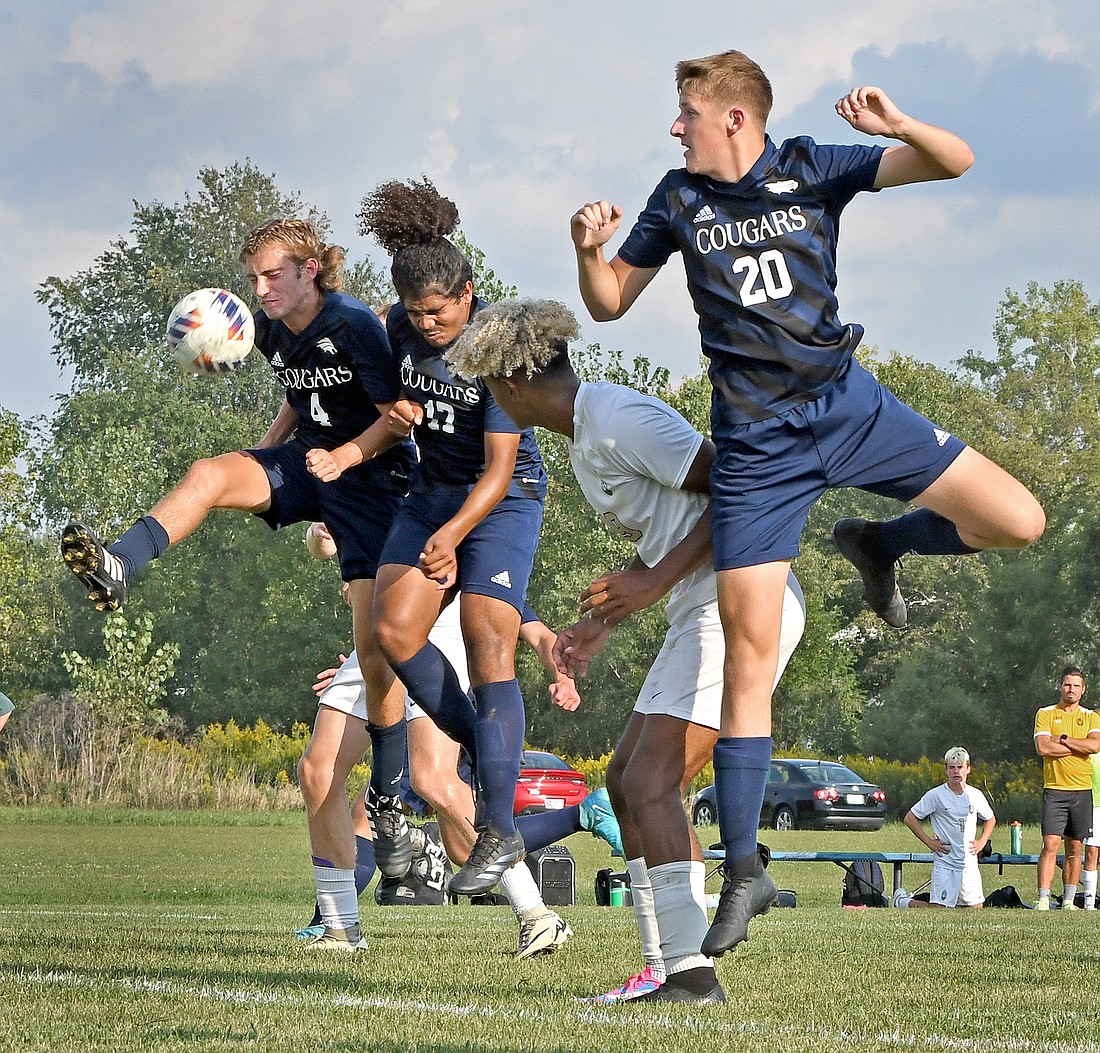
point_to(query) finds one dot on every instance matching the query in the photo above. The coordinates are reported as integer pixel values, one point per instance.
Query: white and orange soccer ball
(211, 331)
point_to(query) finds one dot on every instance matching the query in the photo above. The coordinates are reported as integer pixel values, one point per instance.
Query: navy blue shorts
(769, 473)
(358, 508)
(494, 559)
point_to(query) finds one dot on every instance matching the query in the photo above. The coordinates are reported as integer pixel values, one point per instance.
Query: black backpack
(1004, 897)
(863, 885)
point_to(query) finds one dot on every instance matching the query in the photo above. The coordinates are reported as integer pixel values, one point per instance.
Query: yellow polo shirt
(1073, 772)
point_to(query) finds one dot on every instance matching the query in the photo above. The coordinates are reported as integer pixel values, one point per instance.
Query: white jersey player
(646, 471)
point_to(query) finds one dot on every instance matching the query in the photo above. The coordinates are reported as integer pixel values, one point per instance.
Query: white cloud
(521, 113)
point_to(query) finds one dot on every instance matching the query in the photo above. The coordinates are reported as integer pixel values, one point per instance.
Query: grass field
(172, 931)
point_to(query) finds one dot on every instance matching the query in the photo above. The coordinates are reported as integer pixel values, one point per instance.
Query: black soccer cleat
(393, 847)
(747, 891)
(669, 991)
(492, 854)
(100, 571)
(880, 586)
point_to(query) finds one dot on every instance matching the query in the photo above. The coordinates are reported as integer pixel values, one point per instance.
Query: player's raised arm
(929, 152)
(608, 289)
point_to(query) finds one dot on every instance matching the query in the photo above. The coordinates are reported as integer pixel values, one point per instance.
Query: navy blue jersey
(335, 372)
(760, 257)
(457, 415)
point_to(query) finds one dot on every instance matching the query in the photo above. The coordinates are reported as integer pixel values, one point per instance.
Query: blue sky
(522, 112)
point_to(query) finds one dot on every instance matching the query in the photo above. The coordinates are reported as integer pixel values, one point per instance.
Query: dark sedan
(811, 794)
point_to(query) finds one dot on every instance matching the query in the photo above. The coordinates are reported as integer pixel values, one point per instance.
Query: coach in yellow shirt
(1066, 736)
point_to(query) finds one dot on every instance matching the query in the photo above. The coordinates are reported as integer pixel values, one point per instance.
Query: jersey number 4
(766, 277)
(317, 411)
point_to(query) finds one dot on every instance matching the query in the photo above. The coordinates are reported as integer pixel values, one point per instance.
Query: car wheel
(704, 814)
(783, 818)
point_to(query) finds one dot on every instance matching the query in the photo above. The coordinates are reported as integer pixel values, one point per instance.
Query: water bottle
(1016, 839)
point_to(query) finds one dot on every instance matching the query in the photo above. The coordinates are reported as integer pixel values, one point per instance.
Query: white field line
(121, 912)
(702, 1021)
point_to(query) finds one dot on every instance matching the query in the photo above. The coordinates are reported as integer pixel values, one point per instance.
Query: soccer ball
(211, 331)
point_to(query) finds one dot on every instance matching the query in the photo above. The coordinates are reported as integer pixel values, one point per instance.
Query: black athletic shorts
(1067, 813)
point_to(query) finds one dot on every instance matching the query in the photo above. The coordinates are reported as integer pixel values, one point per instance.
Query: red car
(546, 781)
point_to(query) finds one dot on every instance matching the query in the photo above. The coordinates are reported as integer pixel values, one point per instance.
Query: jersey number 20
(766, 277)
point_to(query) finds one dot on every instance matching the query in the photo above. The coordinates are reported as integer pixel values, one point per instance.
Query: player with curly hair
(646, 471)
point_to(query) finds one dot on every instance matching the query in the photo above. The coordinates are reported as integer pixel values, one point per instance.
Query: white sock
(681, 906)
(646, 916)
(1088, 882)
(336, 896)
(1044, 893)
(1069, 892)
(522, 890)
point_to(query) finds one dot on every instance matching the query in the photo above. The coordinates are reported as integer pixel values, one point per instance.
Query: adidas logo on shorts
(704, 215)
(503, 579)
(941, 436)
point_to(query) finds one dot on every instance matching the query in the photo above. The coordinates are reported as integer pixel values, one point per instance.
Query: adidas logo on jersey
(277, 361)
(503, 579)
(326, 345)
(782, 186)
(704, 215)
(941, 436)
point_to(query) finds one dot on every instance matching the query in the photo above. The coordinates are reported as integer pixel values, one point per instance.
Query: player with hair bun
(472, 518)
(331, 354)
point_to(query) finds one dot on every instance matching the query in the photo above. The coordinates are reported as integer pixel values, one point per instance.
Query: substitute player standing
(646, 471)
(953, 809)
(792, 412)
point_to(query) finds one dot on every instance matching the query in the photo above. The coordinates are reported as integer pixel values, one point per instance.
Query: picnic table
(895, 860)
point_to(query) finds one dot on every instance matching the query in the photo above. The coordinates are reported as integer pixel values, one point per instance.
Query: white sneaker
(900, 898)
(1070, 905)
(350, 939)
(542, 935)
(1043, 904)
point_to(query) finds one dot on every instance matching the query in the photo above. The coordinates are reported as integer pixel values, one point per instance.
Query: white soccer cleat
(542, 935)
(350, 939)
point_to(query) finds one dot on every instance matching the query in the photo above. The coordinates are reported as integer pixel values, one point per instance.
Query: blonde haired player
(793, 413)
(953, 810)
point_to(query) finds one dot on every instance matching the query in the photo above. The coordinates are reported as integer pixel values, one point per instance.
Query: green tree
(993, 631)
(124, 686)
(238, 600)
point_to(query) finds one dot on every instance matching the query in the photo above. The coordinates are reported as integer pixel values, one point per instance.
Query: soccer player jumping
(792, 412)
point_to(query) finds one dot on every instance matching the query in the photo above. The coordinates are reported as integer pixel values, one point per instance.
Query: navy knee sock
(740, 775)
(364, 863)
(540, 829)
(501, 722)
(141, 544)
(924, 532)
(388, 753)
(433, 685)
